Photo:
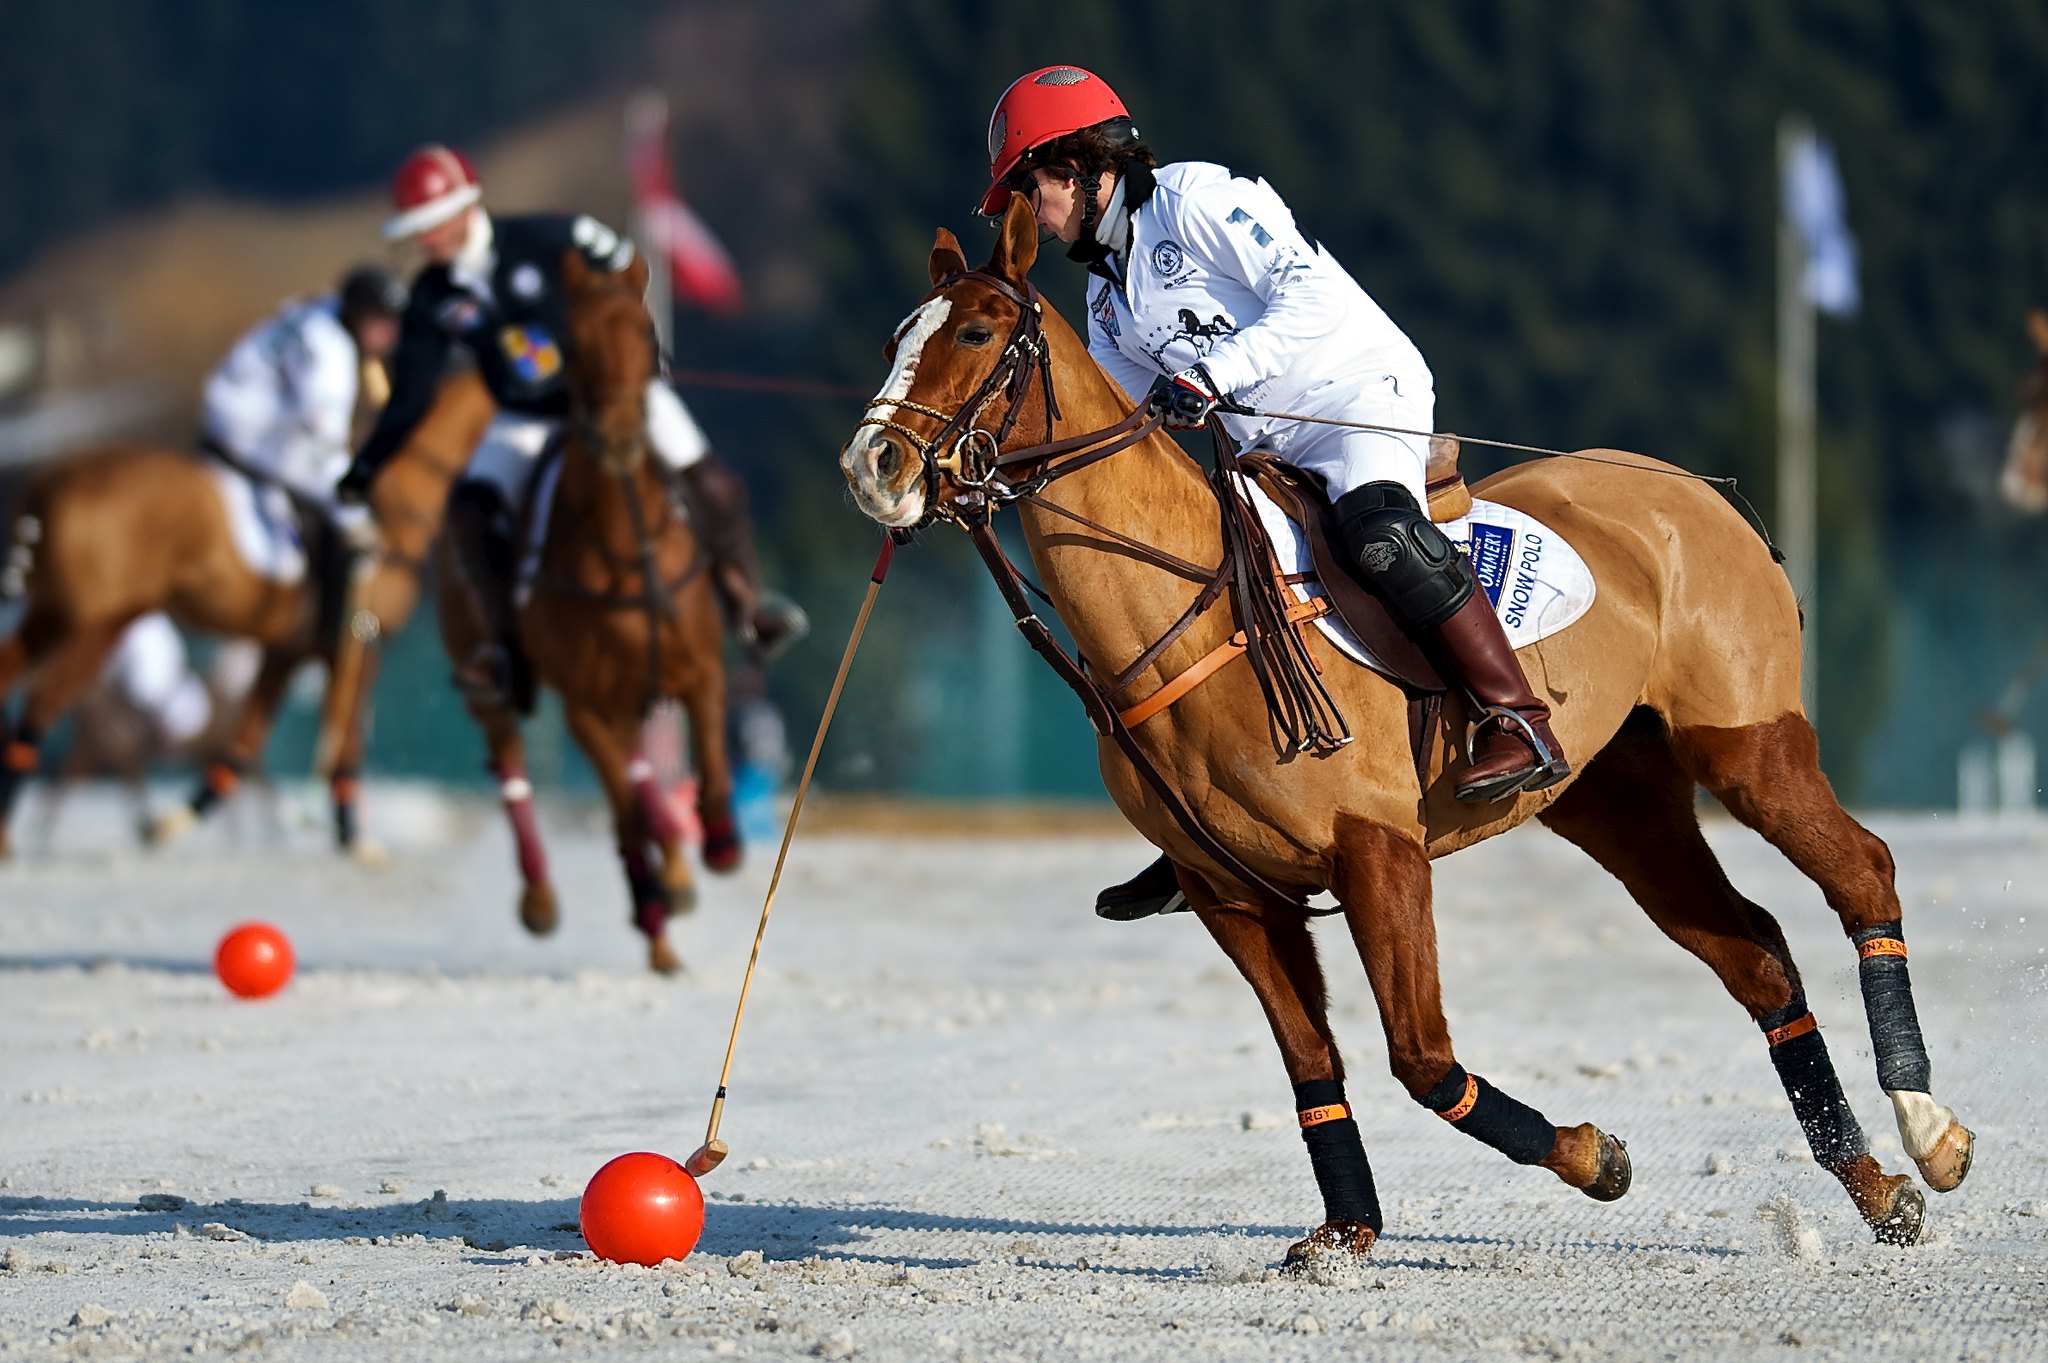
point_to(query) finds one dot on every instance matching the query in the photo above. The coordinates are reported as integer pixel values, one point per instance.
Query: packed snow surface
(968, 1120)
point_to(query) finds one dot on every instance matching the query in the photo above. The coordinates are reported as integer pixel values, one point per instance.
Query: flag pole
(1798, 491)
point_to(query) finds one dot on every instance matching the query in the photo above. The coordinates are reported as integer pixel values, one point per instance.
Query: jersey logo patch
(1493, 548)
(1105, 312)
(531, 352)
(526, 282)
(459, 313)
(1167, 258)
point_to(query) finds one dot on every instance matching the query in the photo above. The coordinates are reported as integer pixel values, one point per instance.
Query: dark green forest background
(1569, 204)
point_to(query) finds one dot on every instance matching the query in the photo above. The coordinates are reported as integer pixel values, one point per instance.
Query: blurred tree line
(114, 106)
(1569, 204)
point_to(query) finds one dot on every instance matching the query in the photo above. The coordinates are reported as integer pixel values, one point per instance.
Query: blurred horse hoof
(1341, 1240)
(368, 852)
(168, 828)
(539, 913)
(1949, 1162)
(662, 958)
(722, 847)
(1615, 1172)
(681, 898)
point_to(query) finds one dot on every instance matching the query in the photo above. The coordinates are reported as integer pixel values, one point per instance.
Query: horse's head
(610, 357)
(2025, 480)
(960, 365)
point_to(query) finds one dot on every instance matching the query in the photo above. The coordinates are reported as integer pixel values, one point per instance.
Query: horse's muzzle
(887, 477)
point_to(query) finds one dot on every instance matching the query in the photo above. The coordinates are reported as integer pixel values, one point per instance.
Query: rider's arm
(1132, 377)
(321, 378)
(1242, 229)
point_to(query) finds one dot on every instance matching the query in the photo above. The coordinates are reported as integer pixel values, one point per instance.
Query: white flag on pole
(1816, 206)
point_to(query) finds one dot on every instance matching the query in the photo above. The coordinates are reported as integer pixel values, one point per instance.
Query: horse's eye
(974, 333)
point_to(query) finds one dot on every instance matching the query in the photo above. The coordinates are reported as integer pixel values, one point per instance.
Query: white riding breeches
(1345, 459)
(512, 444)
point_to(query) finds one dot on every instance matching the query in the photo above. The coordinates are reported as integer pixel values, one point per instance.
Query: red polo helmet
(431, 186)
(1038, 107)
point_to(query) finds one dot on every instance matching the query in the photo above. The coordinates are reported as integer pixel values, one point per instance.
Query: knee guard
(1409, 564)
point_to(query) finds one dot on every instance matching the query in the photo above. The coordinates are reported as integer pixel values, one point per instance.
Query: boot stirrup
(1487, 713)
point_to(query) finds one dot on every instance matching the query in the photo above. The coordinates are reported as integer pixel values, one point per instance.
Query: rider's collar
(471, 267)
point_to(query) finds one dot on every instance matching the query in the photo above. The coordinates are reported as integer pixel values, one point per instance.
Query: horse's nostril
(888, 461)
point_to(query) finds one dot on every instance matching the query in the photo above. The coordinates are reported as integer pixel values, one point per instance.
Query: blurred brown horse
(619, 613)
(1684, 672)
(2024, 484)
(113, 534)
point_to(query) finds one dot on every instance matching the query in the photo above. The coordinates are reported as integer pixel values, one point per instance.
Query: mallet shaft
(713, 1150)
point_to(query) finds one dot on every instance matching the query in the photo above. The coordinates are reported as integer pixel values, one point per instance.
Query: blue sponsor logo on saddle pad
(1493, 549)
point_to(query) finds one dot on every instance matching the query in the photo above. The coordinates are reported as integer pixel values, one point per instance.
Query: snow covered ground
(968, 1120)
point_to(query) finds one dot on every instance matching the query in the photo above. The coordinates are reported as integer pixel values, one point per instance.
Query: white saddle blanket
(1538, 583)
(265, 526)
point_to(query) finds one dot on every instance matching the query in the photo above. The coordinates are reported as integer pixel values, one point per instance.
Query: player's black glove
(1184, 399)
(354, 485)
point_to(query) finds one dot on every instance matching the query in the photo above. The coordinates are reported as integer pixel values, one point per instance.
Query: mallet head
(709, 1156)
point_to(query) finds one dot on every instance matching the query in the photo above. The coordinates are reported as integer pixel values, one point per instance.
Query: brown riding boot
(716, 498)
(483, 558)
(1513, 750)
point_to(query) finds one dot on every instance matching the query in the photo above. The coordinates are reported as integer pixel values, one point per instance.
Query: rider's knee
(1399, 553)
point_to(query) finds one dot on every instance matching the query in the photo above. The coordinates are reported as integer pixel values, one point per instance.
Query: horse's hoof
(368, 852)
(168, 828)
(1615, 1172)
(1904, 1217)
(662, 958)
(722, 847)
(681, 898)
(1949, 1162)
(1332, 1239)
(539, 912)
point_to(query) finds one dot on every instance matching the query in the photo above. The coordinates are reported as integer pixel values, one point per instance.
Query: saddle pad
(1538, 583)
(263, 525)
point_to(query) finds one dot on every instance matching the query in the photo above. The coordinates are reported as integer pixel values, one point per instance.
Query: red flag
(699, 268)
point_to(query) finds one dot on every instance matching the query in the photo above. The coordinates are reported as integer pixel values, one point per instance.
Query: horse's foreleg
(243, 749)
(1272, 949)
(609, 743)
(706, 704)
(343, 712)
(539, 909)
(1382, 879)
(1631, 810)
(1769, 777)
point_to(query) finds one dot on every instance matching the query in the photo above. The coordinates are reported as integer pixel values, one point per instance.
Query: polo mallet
(712, 1153)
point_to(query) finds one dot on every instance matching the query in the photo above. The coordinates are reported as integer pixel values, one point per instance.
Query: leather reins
(990, 479)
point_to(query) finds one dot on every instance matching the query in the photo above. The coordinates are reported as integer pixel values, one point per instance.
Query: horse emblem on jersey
(532, 353)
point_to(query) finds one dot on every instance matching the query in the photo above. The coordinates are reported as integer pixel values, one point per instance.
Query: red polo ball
(641, 1209)
(254, 960)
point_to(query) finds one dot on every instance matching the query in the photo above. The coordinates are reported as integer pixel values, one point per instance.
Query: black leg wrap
(20, 756)
(1888, 1003)
(1486, 1114)
(1801, 1058)
(1337, 1154)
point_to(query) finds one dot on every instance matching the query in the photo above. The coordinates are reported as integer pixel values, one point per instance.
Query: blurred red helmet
(432, 186)
(1038, 107)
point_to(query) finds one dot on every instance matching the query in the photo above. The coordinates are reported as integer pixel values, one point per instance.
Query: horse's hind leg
(1631, 810)
(539, 909)
(68, 666)
(1769, 777)
(706, 704)
(242, 751)
(1272, 949)
(1382, 879)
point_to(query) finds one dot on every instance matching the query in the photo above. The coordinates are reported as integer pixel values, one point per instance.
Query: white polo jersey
(282, 400)
(1217, 273)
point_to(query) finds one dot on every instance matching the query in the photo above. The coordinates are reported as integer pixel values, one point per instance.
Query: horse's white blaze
(915, 330)
(1921, 1121)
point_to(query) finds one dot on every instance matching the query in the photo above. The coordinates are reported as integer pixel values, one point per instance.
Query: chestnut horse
(1685, 671)
(619, 614)
(115, 533)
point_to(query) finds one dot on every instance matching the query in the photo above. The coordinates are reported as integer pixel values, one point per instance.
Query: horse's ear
(2037, 329)
(1016, 242)
(947, 257)
(575, 271)
(636, 273)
